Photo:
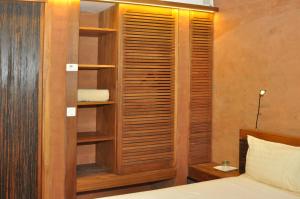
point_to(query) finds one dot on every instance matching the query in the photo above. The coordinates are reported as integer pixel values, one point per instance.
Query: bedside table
(204, 172)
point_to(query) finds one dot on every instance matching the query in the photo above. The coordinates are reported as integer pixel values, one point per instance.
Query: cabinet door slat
(148, 65)
(201, 87)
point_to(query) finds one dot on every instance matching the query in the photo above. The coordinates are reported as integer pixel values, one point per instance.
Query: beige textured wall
(257, 45)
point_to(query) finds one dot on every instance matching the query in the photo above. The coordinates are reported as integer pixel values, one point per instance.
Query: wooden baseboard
(110, 180)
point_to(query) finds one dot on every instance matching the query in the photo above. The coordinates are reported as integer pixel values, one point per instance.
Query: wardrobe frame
(58, 137)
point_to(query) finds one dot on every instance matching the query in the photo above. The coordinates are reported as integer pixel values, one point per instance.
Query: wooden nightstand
(204, 172)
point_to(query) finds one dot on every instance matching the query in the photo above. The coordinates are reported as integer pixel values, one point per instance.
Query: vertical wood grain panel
(60, 132)
(201, 87)
(19, 103)
(71, 99)
(183, 96)
(148, 64)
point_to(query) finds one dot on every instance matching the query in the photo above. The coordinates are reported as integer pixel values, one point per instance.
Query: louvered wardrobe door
(201, 25)
(147, 93)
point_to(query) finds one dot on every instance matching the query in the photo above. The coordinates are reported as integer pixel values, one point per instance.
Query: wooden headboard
(273, 137)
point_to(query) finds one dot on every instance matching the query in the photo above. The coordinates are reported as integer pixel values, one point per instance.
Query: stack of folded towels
(93, 95)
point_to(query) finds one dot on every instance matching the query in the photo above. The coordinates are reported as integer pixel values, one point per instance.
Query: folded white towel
(93, 95)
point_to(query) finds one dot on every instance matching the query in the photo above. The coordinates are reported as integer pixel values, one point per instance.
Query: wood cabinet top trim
(160, 3)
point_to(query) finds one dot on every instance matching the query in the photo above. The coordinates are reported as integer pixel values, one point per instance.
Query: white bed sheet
(242, 187)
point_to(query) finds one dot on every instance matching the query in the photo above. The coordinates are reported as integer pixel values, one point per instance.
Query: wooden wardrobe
(157, 64)
(154, 57)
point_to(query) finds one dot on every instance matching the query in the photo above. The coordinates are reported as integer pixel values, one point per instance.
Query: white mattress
(241, 187)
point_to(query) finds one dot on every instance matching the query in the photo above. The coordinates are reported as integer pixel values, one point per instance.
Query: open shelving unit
(96, 127)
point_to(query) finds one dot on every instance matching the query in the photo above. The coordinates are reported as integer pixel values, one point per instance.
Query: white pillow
(274, 164)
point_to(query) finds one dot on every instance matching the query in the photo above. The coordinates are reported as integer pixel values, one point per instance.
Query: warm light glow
(64, 2)
(262, 92)
(157, 5)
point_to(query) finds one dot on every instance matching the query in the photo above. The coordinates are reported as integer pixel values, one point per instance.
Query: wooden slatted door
(146, 117)
(201, 25)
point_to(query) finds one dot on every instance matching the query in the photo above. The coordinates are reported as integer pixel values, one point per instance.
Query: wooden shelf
(86, 170)
(91, 180)
(92, 137)
(94, 32)
(94, 66)
(82, 104)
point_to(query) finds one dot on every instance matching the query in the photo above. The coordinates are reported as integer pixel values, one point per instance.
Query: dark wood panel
(20, 41)
(148, 88)
(201, 37)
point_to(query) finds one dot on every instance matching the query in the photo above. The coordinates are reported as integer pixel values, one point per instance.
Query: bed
(241, 187)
